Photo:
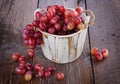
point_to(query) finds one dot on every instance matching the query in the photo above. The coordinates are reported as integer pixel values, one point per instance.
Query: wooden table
(105, 33)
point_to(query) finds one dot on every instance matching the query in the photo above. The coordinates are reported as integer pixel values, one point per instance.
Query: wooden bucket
(67, 48)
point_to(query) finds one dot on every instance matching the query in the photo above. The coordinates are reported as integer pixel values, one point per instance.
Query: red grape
(62, 9)
(53, 20)
(16, 56)
(69, 32)
(25, 36)
(38, 15)
(36, 23)
(47, 73)
(42, 26)
(30, 27)
(26, 42)
(77, 20)
(31, 33)
(57, 26)
(67, 20)
(25, 31)
(49, 14)
(79, 10)
(20, 70)
(22, 63)
(56, 7)
(67, 14)
(70, 25)
(57, 17)
(32, 46)
(60, 75)
(30, 52)
(41, 73)
(39, 41)
(61, 33)
(59, 13)
(51, 68)
(81, 26)
(37, 34)
(73, 13)
(48, 8)
(51, 9)
(82, 20)
(76, 29)
(44, 18)
(65, 28)
(51, 30)
(28, 75)
(38, 67)
(98, 56)
(105, 52)
(94, 50)
(29, 66)
(31, 41)
(22, 58)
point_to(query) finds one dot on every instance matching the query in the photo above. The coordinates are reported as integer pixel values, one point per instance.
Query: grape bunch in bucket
(56, 20)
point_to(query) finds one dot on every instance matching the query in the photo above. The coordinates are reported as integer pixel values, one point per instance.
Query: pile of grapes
(55, 20)
(29, 70)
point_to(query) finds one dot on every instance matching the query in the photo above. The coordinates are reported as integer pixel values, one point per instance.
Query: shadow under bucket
(67, 48)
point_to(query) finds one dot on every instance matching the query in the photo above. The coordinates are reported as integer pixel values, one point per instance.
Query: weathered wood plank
(14, 15)
(106, 34)
(66, 3)
(77, 72)
(5, 74)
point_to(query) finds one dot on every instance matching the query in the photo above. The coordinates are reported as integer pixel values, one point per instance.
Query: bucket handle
(92, 16)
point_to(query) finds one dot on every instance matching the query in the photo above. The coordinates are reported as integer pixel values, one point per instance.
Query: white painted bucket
(64, 49)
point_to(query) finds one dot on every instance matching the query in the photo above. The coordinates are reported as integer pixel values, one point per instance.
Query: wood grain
(14, 15)
(106, 34)
(77, 72)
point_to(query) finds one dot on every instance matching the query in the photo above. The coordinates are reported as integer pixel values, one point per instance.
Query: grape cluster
(29, 70)
(99, 55)
(59, 20)
(31, 36)
(55, 20)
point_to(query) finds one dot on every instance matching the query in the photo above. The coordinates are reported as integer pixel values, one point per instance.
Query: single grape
(38, 15)
(36, 23)
(57, 27)
(42, 26)
(51, 30)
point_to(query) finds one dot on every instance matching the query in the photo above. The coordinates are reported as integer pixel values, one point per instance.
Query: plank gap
(38, 4)
(91, 61)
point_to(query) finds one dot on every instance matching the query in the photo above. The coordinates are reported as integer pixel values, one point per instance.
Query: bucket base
(63, 62)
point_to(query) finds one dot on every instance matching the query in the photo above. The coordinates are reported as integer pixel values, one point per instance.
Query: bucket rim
(63, 36)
